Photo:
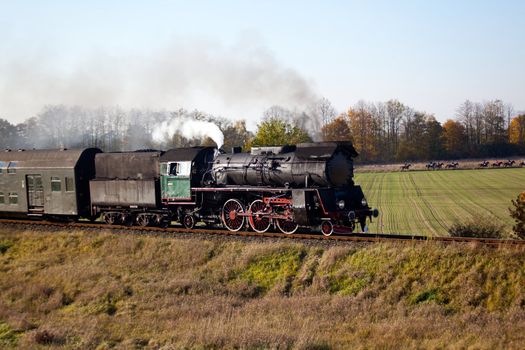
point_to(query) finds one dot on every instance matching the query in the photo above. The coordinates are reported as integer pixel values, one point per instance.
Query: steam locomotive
(308, 185)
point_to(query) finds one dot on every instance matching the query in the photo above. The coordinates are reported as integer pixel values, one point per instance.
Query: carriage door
(35, 194)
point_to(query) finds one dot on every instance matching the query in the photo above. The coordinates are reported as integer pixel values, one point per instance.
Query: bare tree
(323, 111)
(465, 115)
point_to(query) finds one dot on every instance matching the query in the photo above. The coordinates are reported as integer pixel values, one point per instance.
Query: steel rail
(358, 237)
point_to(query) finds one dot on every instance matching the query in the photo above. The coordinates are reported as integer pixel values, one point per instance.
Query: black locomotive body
(307, 185)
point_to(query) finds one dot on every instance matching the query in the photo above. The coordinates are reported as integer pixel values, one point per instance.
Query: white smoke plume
(188, 128)
(236, 82)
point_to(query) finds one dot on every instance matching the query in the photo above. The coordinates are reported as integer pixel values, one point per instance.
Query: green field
(428, 202)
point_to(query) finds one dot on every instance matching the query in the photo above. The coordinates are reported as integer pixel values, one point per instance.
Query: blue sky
(431, 55)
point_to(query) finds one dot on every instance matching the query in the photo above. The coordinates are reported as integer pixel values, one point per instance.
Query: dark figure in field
(440, 165)
(431, 165)
(509, 163)
(497, 164)
(522, 163)
(406, 166)
(484, 164)
(453, 165)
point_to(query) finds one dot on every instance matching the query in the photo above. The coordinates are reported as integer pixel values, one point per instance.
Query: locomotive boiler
(304, 165)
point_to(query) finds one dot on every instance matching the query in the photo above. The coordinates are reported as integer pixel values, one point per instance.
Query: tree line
(392, 131)
(109, 128)
(381, 132)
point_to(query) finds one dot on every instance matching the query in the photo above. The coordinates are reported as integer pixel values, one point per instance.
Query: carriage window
(2, 200)
(56, 184)
(13, 198)
(70, 186)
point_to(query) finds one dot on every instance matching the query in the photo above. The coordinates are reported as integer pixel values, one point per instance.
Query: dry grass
(104, 291)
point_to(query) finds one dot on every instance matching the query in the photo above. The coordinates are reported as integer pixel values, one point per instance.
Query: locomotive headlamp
(341, 204)
(364, 202)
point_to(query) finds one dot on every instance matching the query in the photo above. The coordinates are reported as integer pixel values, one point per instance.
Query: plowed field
(428, 202)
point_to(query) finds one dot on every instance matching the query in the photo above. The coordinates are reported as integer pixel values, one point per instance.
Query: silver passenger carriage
(46, 183)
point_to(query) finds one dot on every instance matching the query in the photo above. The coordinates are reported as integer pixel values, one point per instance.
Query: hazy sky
(235, 58)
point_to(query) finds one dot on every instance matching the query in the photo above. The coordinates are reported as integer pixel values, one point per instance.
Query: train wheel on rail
(258, 220)
(232, 216)
(109, 218)
(287, 226)
(143, 220)
(188, 221)
(327, 228)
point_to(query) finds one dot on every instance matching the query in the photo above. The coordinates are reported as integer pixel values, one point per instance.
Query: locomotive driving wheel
(188, 221)
(232, 216)
(287, 226)
(259, 220)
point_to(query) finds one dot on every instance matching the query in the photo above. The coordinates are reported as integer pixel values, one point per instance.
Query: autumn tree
(362, 126)
(518, 214)
(413, 143)
(420, 137)
(236, 135)
(336, 130)
(454, 134)
(517, 130)
(434, 138)
(274, 132)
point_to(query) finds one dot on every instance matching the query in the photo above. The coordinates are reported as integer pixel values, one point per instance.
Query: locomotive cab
(181, 170)
(176, 180)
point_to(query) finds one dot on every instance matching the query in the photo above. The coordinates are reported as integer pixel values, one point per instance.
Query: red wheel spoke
(259, 219)
(230, 215)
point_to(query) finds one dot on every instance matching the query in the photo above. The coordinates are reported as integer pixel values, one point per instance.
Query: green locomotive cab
(181, 171)
(175, 180)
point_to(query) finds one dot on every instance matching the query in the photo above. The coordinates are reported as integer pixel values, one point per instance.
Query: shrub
(5, 245)
(518, 214)
(478, 227)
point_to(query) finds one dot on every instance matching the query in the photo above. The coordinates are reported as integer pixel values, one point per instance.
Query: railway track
(174, 231)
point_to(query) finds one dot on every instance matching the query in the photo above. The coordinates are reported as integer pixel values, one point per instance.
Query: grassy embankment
(428, 202)
(104, 291)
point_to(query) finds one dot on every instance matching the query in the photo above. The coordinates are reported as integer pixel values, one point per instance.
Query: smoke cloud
(189, 128)
(238, 81)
